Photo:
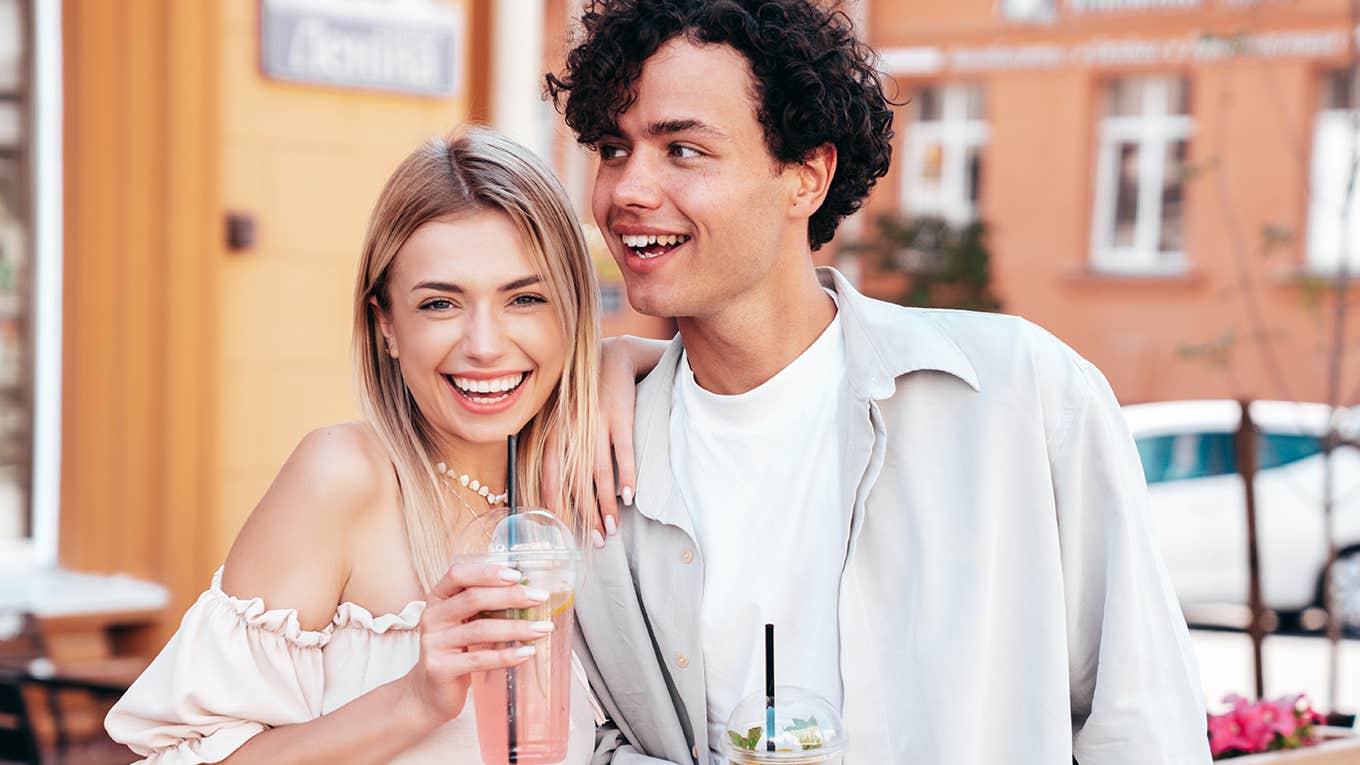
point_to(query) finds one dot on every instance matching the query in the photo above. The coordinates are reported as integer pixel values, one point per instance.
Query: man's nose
(485, 338)
(637, 184)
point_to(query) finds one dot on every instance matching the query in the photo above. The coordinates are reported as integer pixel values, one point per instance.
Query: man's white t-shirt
(761, 474)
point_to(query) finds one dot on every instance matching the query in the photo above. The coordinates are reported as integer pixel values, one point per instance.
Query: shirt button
(687, 556)
(681, 660)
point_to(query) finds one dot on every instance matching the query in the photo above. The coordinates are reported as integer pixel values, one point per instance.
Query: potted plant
(1281, 731)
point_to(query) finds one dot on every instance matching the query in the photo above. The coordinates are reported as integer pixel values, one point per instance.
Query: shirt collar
(884, 341)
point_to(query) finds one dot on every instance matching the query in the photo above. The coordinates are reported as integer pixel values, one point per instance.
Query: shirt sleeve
(232, 670)
(1135, 688)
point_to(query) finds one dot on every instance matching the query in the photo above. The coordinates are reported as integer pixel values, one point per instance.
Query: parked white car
(1197, 503)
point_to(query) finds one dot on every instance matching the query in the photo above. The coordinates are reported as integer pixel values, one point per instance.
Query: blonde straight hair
(473, 171)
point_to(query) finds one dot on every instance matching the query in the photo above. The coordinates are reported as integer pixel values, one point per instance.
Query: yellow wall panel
(306, 162)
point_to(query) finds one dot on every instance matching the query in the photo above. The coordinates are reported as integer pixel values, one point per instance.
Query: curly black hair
(815, 83)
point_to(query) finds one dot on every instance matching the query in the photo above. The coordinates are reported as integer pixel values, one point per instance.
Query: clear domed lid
(502, 536)
(807, 729)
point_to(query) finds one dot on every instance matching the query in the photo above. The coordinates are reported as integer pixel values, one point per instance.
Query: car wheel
(1346, 589)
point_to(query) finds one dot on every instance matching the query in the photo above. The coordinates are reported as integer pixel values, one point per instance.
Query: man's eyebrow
(520, 283)
(668, 127)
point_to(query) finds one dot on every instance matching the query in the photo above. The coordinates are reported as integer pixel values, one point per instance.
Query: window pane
(1338, 91)
(1177, 100)
(1173, 199)
(11, 125)
(1126, 196)
(11, 46)
(974, 106)
(974, 175)
(932, 165)
(1187, 456)
(928, 105)
(1277, 449)
(1155, 454)
(1332, 140)
(11, 191)
(1124, 97)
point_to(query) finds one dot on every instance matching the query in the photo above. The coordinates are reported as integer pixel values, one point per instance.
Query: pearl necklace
(477, 487)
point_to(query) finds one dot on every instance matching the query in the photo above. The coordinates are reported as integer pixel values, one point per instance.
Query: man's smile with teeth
(652, 245)
(497, 389)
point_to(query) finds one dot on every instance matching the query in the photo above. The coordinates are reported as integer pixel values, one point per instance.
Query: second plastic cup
(808, 730)
(523, 713)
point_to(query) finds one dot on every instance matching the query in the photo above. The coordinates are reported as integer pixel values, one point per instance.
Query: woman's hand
(622, 361)
(614, 440)
(454, 641)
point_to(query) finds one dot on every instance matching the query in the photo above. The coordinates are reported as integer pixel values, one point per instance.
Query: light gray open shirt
(1001, 601)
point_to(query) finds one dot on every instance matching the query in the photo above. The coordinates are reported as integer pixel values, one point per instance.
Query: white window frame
(1152, 130)
(956, 133)
(47, 286)
(1331, 150)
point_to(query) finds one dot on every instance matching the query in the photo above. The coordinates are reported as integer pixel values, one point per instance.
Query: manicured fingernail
(541, 626)
(628, 495)
(610, 525)
(526, 650)
(533, 593)
(598, 537)
(511, 575)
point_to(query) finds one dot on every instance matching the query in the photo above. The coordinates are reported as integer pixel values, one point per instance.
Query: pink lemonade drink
(542, 687)
(523, 713)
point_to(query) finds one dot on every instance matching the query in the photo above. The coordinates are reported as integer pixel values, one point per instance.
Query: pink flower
(1285, 723)
(1255, 727)
(1281, 715)
(1226, 734)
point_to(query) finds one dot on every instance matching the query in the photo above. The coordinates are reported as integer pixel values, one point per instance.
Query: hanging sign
(401, 46)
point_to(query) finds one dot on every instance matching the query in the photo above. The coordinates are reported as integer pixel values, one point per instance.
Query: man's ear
(384, 325)
(813, 176)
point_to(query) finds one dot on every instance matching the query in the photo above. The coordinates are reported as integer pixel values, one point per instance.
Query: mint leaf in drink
(806, 731)
(748, 741)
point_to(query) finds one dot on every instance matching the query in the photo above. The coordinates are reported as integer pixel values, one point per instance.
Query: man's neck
(751, 340)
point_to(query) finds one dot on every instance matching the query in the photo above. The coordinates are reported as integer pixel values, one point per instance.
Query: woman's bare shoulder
(293, 549)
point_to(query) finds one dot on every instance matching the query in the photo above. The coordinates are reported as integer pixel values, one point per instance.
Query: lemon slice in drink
(565, 602)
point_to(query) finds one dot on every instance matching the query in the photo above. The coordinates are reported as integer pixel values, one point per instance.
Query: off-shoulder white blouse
(234, 669)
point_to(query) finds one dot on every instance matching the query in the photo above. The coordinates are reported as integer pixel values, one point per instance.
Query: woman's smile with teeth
(652, 245)
(497, 388)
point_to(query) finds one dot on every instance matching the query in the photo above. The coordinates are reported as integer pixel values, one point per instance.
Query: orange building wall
(1253, 125)
(141, 249)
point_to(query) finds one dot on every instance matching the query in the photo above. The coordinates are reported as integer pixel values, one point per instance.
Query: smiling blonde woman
(336, 631)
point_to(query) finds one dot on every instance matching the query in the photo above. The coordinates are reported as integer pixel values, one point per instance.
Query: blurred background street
(1166, 185)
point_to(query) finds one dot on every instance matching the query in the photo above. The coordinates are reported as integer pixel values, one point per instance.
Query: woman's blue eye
(528, 299)
(438, 304)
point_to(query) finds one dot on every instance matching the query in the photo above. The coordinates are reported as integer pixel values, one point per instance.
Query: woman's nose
(485, 339)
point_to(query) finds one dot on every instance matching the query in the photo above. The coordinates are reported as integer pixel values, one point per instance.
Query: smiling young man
(941, 512)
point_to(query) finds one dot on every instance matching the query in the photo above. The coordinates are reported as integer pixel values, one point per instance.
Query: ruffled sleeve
(232, 670)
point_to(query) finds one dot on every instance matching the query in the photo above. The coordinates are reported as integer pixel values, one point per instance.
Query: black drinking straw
(769, 687)
(511, 732)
